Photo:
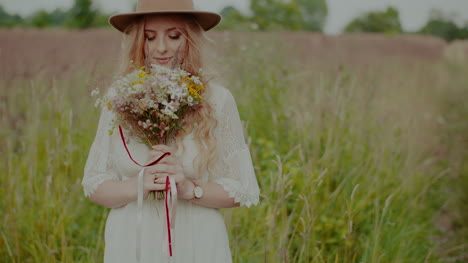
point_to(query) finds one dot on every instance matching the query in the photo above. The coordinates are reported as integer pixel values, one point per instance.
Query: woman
(210, 163)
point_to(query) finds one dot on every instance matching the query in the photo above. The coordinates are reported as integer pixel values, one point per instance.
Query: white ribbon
(139, 214)
(171, 195)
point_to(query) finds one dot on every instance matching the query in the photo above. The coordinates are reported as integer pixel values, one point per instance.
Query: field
(359, 144)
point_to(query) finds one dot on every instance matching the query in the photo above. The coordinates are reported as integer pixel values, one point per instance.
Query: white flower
(137, 88)
(175, 92)
(95, 92)
(196, 80)
(98, 103)
(167, 112)
(169, 105)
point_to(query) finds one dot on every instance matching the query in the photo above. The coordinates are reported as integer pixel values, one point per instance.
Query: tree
(379, 22)
(289, 15)
(41, 19)
(294, 15)
(58, 17)
(314, 14)
(442, 26)
(101, 20)
(233, 19)
(275, 14)
(7, 20)
(82, 14)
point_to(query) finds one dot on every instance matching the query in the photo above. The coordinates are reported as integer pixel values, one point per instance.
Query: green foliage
(314, 14)
(442, 26)
(378, 22)
(276, 14)
(233, 19)
(82, 14)
(7, 20)
(295, 15)
(58, 17)
(101, 20)
(41, 19)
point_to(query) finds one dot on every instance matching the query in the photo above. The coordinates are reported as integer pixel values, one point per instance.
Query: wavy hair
(201, 121)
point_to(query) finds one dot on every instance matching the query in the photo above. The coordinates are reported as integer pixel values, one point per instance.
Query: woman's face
(163, 35)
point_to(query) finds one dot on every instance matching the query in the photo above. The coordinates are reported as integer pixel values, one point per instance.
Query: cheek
(149, 47)
(176, 44)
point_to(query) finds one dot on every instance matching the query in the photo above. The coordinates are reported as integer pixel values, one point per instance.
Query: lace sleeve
(234, 169)
(97, 166)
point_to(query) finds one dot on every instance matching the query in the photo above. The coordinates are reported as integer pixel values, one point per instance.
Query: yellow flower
(109, 105)
(199, 87)
(193, 89)
(194, 93)
(137, 82)
(142, 74)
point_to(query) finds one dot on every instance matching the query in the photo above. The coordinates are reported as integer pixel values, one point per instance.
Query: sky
(413, 13)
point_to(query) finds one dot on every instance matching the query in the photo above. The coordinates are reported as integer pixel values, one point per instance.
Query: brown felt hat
(207, 20)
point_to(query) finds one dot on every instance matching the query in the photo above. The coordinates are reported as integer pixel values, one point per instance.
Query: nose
(161, 46)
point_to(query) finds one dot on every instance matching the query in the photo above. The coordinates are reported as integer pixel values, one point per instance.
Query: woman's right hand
(149, 182)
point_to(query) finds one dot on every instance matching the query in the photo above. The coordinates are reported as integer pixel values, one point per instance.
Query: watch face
(198, 192)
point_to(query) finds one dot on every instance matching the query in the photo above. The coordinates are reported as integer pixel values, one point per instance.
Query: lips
(163, 60)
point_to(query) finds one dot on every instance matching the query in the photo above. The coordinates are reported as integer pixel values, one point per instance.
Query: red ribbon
(131, 158)
(166, 196)
(168, 222)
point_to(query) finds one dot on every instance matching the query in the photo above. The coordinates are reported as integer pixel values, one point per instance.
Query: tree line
(293, 15)
(82, 14)
(388, 22)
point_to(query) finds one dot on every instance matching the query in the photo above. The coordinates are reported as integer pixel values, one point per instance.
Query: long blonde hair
(201, 121)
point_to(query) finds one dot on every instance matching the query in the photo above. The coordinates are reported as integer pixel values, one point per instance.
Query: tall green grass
(355, 164)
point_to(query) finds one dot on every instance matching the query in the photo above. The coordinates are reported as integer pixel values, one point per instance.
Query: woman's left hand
(171, 165)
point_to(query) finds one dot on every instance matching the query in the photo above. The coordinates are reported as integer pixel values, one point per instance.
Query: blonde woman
(210, 163)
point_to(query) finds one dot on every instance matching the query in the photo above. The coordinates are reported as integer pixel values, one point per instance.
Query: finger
(154, 157)
(160, 180)
(154, 171)
(163, 148)
(155, 154)
(169, 160)
(157, 187)
(165, 168)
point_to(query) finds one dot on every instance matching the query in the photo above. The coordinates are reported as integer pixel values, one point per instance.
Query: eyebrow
(169, 29)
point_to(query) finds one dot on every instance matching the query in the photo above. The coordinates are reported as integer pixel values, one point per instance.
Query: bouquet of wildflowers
(151, 102)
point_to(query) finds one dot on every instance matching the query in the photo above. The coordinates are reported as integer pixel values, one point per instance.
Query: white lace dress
(200, 234)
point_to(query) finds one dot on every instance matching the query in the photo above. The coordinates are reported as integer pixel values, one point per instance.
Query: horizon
(413, 14)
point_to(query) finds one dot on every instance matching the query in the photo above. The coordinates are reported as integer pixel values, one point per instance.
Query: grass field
(359, 144)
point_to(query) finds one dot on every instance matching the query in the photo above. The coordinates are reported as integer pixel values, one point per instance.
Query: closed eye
(174, 37)
(150, 38)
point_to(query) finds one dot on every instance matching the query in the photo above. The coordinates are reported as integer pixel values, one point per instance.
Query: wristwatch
(197, 191)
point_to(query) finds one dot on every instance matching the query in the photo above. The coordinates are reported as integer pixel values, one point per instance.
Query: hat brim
(207, 20)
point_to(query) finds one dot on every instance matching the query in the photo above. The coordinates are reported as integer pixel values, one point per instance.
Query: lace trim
(236, 191)
(234, 170)
(90, 184)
